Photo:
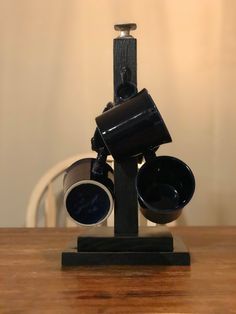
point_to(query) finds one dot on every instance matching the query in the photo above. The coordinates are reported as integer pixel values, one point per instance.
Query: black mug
(88, 191)
(132, 127)
(164, 185)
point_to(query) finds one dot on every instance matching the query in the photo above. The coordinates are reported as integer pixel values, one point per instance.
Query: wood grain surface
(32, 280)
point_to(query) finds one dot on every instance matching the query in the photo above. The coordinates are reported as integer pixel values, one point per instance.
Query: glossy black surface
(132, 127)
(164, 185)
(88, 203)
(97, 142)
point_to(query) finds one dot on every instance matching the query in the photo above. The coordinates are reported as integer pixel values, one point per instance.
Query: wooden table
(32, 281)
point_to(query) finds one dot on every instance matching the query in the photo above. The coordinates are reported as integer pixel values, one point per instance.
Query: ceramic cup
(88, 191)
(164, 185)
(132, 127)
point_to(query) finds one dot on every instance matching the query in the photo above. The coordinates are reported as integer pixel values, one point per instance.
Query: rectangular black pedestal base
(178, 256)
(149, 239)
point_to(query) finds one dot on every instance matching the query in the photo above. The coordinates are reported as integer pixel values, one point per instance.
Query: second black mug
(165, 185)
(132, 127)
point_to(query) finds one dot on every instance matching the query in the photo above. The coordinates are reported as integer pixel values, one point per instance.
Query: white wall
(56, 76)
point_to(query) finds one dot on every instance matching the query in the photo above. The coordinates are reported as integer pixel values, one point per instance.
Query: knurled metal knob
(125, 29)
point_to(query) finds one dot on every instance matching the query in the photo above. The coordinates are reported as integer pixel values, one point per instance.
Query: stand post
(126, 204)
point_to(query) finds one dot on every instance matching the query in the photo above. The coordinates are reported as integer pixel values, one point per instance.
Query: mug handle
(99, 163)
(150, 154)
